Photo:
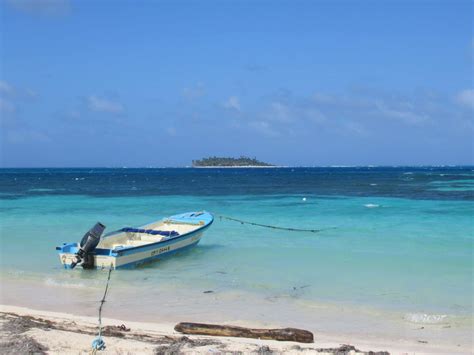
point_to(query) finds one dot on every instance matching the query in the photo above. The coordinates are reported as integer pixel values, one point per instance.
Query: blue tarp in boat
(151, 231)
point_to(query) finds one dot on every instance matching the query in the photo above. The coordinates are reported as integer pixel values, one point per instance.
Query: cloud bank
(99, 104)
(466, 98)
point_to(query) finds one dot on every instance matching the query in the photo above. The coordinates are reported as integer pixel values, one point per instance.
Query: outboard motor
(89, 242)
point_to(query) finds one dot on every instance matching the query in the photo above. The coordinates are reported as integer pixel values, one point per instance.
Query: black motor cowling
(89, 242)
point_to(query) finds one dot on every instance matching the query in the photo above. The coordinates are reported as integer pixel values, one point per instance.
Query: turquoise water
(399, 240)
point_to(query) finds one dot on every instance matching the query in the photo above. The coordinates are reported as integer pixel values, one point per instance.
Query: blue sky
(159, 83)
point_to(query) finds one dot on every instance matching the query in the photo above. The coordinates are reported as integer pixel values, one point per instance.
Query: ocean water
(397, 241)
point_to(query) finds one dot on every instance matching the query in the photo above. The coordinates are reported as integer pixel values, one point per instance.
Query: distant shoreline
(247, 166)
(238, 166)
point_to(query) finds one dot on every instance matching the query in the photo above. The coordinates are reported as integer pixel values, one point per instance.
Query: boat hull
(132, 257)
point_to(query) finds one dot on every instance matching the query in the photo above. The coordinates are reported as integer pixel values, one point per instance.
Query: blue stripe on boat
(150, 231)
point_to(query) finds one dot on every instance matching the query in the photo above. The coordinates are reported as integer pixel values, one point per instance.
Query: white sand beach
(26, 330)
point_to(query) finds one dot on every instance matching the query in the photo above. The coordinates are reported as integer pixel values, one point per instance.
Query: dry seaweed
(22, 345)
(346, 349)
(14, 341)
(176, 344)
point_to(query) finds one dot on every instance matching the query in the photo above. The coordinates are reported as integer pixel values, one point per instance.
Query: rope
(272, 227)
(98, 343)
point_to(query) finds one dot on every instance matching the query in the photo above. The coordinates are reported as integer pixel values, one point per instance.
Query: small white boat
(129, 247)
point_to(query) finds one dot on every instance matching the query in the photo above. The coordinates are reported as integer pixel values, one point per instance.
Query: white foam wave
(371, 205)
(55, 283)
(423, 318)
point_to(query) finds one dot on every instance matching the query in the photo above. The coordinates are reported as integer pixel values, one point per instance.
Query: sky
(159, 83)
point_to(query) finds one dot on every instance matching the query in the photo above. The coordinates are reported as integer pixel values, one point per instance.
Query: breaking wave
(423, 318)
(371, 205)
(51, 282)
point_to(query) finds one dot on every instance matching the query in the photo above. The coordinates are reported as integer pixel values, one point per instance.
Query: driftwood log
(286, 334)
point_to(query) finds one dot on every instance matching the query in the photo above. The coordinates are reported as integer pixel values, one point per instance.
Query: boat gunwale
(121, 251)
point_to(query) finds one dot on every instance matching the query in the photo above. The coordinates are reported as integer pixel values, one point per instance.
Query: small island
(217, 162)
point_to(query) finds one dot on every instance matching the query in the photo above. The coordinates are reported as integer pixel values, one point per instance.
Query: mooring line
(98, 343)
(272, 227)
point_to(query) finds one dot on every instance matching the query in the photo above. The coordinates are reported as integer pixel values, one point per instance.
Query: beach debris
(14, 324)
(124, 328)
(22, 345)
(285, 334)
(19, 325)
(297, 291)
(347, 349)
(264, 350)
(115, 330)
(12, 340)
(176, 344)
(208, 291)
(423, 341)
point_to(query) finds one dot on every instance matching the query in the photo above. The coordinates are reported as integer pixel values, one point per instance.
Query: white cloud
(31, 93)
(347, 101)
(466, 98)
(323, 98)
(6, 106)
(264, 127)
(194, 92)
(289, 113)
(42, 7)
(232, 103)
(6, 88)
(406, 116)
(28, 135)
(314, 115)
(280, 112)
(15, 93)
(387, 106)
(354, 127)
(99, 104)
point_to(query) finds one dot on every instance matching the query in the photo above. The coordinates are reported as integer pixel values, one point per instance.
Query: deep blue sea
(395, 239)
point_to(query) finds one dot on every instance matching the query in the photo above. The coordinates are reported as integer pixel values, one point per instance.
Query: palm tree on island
(242, 161)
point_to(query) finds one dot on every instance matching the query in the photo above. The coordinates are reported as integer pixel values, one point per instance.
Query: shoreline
(237, 166)
(331, 328)
(55, 332)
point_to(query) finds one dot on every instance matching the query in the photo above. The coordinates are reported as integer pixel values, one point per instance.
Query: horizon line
(249, 167)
